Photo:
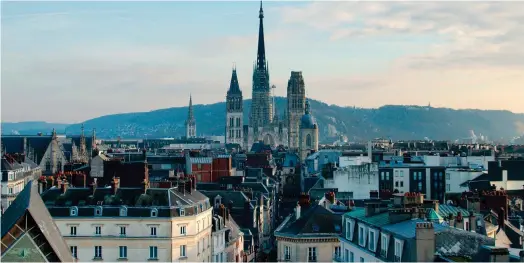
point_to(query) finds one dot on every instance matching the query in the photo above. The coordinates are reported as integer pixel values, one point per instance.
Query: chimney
(425, 242)
(297, 211)
(189, 185)
(64, 187)
(181, 186)
(145, 185)
(115, 184)
(222, 211)
(93, 186)
(194, 183)
(505, 179)
(472, 222)
(144, 154)
(459, 221)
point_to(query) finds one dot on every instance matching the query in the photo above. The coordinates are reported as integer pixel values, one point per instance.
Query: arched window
(308, 140)
(73, 211)
(48, 165)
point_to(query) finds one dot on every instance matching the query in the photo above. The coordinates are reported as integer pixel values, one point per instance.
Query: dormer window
(362, 236)
(98, 211)
(154, 212)
(218, 201)
(229, 186)
(123, 211)
(182, 212)
(384, 245)
(398, 249)
(73, 211)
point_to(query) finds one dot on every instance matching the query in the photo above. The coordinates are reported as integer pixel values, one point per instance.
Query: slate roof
(445, 210)
(315, 221)
(237, 197)
(28, 200)
(377, 220)
(15, 144)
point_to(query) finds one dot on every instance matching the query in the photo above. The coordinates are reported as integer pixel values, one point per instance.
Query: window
(312, 254)
(448, 187)
(74, 251)
(98, 251)
(73, 211)
(122, 230)
(348, 230)
(182, 212)
(238, 122)
(448, 176)
(401, 173)
(346, 255)
(10, 190)
(401, 183)
(419, 175)
(398, 250)
(98, 230)
(153, 231)
(415, 176)
(372, 240)
(440, 176)
(351, 257)
(420, 186)
(396, 183)
(382, 175)
(123, 252)
(337, 252)
(308, 140)
(361, 259)
(387, 176)
(183, 250)
(229, 186)
(123, 211)
(154, 212)
(384, 243)
(361, 238)
(182, 230)
(287, 253)
(153, 252)
(73, 231)
(98, 211)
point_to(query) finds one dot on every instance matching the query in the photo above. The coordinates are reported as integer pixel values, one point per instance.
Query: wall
(221, 167)
(359, 179)
(299, 250)
(203, 172)
(138, 238)
(455, 177)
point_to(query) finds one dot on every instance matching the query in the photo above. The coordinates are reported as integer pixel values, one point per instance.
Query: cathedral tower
(261, 106)
(308, 137)
(190, 122)
(234, 112)
(296, 103)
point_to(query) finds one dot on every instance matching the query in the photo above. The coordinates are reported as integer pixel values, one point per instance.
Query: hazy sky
(71, 61)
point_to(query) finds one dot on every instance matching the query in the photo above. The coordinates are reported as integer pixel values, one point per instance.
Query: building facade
(234, 112)
(296, 104)
(308, 139)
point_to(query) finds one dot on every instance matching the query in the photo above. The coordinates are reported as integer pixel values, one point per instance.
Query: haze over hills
(395, 122)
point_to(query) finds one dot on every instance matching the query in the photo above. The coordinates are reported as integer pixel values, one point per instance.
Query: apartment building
(17, 171)
(133, 223)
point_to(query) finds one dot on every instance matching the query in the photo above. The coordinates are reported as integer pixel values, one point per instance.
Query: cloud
(473, 33)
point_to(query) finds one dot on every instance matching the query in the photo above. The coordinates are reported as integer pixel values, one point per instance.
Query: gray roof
(29, 201)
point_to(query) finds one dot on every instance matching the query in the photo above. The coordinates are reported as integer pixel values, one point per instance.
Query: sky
(72, 61)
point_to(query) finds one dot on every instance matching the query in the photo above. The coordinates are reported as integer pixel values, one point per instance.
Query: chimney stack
(297, 211)
(472, 222)
(93, 186)
(425, 242)
(64, 187)
(115, 184)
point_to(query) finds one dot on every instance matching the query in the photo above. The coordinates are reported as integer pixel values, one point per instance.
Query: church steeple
(234, 87)
(190, 122)
(261, 54)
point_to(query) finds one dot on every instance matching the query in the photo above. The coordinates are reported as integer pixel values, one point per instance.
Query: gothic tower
(190, 122)
(234, 112)
(296, 103)
(308, 137)
(261, 105)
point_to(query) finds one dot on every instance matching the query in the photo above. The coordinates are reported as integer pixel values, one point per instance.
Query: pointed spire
(234, 87)
(307, 107)
(82, 129)
(261, 54)
(190, 115)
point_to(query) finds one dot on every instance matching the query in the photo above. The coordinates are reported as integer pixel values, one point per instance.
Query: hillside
(395, 122)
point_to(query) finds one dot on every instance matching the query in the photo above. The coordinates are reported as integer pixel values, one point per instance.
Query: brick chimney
(115, 184)
(425, 242)
(188, 184)
(64, 187)
(297, 211)
(222, 211)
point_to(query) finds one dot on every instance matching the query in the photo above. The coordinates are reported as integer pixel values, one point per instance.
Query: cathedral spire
(190, 115)
(234, 87)
(261, 54)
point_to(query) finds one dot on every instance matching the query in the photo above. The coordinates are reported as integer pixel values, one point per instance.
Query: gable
(24, 250)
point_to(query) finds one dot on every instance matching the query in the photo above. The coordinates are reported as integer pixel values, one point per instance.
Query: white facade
(455, 177)
(344, 161)
(219, 246)
(401, 179)
(359, 179)
(16, 181)
(138, 239)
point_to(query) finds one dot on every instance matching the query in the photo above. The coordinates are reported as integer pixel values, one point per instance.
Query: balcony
(337, 258)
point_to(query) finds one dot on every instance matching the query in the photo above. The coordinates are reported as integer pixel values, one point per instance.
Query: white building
(15, 176)
(358, 179)
(133, 224)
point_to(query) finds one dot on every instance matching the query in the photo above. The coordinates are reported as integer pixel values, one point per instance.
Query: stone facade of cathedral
(264, 122)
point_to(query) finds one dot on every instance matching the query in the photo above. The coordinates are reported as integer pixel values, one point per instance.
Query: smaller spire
(82, 129)
(190, 115)
(307, 106)
(261, 12)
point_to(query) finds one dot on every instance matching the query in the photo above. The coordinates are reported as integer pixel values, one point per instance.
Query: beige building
(309, 235)
(134, 224)
(15, 176)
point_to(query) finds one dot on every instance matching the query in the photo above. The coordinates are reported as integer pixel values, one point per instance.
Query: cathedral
(264, 123)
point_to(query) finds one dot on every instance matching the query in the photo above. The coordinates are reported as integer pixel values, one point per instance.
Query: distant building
(190, 122)
(17, 171)
(308, 139)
